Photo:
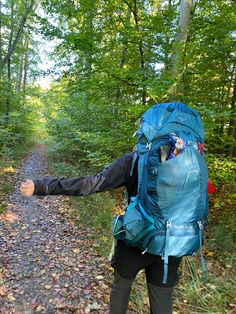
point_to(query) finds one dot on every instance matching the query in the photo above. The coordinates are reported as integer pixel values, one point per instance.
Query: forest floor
(47, 263)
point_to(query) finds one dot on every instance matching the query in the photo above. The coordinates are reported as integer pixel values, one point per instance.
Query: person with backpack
(166, 183)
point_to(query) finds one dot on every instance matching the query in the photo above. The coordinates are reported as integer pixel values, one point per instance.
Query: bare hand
(27, 188)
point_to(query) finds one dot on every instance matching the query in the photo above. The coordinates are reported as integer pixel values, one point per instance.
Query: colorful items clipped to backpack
(179, 145)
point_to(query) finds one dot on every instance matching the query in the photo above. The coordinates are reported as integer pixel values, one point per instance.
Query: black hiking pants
(127, 262)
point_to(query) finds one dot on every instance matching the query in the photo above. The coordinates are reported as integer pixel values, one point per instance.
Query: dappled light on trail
(9, 217)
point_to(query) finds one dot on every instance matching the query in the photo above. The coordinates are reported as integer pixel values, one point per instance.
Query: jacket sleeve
(109, 178)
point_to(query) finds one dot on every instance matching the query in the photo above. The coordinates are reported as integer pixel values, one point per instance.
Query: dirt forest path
(46, 261)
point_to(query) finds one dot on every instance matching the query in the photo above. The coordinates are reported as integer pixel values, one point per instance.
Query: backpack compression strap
(201, 254)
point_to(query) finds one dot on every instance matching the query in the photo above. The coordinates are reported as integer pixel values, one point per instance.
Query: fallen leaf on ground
(3, 291)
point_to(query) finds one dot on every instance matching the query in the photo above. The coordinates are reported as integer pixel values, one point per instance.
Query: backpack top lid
(162, 119)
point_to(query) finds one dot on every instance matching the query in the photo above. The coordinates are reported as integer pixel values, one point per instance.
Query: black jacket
(115, 175)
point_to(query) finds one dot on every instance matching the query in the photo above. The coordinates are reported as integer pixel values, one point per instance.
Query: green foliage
(17, 70)
(116, 61)
(98, 214)
(113, 52)
(222, 235)
(93, 135)
(18, 129)
(221, 169)
(64, 169)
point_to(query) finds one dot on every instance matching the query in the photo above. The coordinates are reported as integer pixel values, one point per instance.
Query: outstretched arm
(109, 178)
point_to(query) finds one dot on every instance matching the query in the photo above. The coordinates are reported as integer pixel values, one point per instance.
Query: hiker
(161, 270)
(127, 261)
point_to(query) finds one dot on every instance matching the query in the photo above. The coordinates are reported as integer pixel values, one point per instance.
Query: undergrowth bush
(223, 236)
(221, 169)
(217, 296)
(96, 211)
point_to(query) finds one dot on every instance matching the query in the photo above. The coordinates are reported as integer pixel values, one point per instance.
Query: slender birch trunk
(179, 46)
(18, 34)
(19, 70)
(25, 67)
(232, 124)
(122, 59)
(141, 52)
(7, 106)
(0, 39)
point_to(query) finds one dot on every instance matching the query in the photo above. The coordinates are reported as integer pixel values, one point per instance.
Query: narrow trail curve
(46, 262)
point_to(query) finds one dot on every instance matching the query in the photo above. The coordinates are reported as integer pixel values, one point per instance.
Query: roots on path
(47, 263)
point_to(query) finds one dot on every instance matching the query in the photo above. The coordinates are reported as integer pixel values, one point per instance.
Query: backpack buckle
(148, 146)
(200, 225)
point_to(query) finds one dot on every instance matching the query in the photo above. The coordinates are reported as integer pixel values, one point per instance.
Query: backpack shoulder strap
(135, 157)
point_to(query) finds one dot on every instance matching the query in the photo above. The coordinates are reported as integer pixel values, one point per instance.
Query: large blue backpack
(168, 214)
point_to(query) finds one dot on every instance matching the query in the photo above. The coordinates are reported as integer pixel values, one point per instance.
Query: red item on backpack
(211, 189)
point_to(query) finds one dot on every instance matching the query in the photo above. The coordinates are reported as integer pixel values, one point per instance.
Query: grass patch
(2, 208)
(96, 212)
(139, 301)
(217, 296)
(6, 188)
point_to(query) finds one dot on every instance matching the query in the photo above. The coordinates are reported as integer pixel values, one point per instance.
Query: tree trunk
(18, 35)
(9, 64)
(141, 53)
(232, 124)
(26, 65)
(19, 71)
(122, 59)
(19, 74)
(8, 90)
(179, 46)
(0, 39)
(167, 38)
(88, 30)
